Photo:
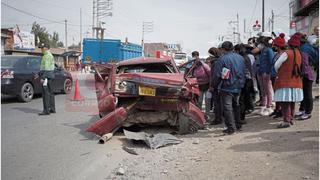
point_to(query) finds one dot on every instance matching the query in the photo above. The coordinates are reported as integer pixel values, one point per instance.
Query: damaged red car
(145, 91)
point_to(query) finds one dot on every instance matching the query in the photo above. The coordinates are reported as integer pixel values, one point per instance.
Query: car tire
(67, 86)
(186, 125)
(26, 92)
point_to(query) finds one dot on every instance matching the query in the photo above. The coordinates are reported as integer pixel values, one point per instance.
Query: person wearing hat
(288, 84)
(265, 65)
(46, 75)
(308, 77)
(279, 46)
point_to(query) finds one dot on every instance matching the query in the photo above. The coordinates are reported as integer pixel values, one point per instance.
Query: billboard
(23, 40)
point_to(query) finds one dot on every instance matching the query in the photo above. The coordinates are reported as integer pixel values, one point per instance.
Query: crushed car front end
(127, 98)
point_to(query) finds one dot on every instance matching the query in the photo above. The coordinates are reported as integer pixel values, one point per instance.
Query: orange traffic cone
(77, 96)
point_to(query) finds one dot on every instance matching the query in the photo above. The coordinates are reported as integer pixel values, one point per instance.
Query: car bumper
(8, 87)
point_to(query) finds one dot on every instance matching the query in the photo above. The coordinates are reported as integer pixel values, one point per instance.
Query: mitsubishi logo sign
(257, 26)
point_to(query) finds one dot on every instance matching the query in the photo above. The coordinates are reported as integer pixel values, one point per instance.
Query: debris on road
(221, 139)
(105, 138)
(154, 141)
(306, 177)
(129, 150)
(196, 141)
(120, 171)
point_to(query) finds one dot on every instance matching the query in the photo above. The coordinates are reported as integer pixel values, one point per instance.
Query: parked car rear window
(13, 62)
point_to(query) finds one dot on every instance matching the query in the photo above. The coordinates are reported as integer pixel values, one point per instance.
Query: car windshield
(8, 62)
(147, 68)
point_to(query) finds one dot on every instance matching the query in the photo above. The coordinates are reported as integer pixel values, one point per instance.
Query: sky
(196, 25)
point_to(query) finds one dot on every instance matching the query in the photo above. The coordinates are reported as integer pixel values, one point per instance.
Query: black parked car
(17, 74)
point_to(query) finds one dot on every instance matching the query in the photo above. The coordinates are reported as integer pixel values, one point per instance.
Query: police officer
(46, 75)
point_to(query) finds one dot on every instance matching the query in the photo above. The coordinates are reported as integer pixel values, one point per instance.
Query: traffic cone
(77, 96)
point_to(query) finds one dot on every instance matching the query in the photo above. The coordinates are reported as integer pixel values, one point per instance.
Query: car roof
(143, 60)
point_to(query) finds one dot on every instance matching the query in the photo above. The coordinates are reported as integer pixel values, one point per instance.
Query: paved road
(55, 146)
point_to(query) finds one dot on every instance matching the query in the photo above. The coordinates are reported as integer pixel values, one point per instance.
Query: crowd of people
(269, 72)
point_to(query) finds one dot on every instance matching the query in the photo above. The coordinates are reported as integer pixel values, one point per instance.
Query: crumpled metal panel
(154, 141)
(109, 122)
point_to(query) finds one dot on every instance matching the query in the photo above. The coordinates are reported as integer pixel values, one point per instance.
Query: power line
(30, 14)
(62, 7)
(253, 12)
(27, 13)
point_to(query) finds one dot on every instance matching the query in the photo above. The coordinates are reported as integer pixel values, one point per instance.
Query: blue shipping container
(105, 50)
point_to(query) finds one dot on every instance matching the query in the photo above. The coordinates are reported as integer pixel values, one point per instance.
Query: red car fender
(109, 122)
(107, 103)
(195, 113)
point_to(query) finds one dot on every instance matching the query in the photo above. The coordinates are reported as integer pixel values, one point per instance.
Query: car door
(58, 79)
(33, 67)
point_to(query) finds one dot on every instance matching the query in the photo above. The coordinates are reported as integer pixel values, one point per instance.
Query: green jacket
(47, 65)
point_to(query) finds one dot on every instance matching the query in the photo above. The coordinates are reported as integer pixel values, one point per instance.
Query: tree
(42, 34)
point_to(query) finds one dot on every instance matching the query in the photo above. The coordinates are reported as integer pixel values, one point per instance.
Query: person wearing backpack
(229, 77)
(288, 83)
(308, 77)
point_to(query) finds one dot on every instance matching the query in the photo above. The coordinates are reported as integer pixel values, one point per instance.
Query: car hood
(170, 79)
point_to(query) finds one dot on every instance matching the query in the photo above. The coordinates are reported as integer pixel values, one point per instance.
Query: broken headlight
(124, 87)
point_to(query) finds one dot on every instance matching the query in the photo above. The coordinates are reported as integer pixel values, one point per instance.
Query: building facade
(304, 16)
(67, 60)
(150, 49)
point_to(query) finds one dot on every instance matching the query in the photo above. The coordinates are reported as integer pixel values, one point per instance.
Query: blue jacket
(265, 57)
(313, 54)
(235, 63)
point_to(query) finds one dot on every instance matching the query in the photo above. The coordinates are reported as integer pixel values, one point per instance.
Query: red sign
(257, 26)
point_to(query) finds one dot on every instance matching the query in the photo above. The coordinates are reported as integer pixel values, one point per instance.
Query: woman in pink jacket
(201, 71)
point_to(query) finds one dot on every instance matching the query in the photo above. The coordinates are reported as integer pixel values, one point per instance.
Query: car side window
(33, 63)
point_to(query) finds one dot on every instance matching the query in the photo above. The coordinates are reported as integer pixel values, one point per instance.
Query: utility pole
(147, 27)
(262, 15)
(272, 20)
(238, 30)
(80, 29)
(244, 26)
(93, 13)
(102, 8)
(66, 34)
(235, 28)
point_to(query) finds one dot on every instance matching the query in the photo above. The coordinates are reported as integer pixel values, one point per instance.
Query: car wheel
(26, 92)
(67, 86)
(186, 125)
